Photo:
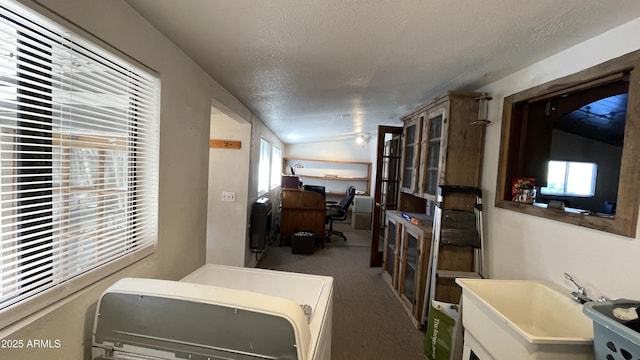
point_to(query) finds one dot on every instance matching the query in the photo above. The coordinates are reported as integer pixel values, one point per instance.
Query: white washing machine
(216, 312)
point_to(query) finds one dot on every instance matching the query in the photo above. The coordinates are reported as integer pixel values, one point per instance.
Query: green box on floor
(439, 339)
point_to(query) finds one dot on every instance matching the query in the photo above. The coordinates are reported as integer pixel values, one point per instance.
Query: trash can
(303, 242)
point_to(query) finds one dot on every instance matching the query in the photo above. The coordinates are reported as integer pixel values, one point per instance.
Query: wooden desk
(301, 210)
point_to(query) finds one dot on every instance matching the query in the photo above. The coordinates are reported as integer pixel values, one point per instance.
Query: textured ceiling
(317, 70)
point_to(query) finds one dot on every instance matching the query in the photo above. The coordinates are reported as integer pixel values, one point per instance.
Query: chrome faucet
(580, 295)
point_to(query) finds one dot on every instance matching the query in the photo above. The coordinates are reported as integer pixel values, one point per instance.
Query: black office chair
(338, 212)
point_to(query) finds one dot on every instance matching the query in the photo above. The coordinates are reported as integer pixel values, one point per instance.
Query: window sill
(602, 222)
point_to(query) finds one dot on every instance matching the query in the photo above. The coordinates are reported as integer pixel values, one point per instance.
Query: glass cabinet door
(390, 258)
(411, 153)
(409, 149)
(434, 141)
(410, 266)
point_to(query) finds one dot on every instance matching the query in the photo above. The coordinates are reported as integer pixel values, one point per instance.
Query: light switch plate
(228, 196)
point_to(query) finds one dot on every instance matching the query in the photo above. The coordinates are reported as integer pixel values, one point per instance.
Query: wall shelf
(334, 175)
(341, 178)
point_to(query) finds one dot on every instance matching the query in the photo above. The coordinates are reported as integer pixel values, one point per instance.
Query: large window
(264, 167)
(276, 166)
(79, 162)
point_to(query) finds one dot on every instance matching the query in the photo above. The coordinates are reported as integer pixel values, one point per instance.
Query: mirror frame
(628, 199)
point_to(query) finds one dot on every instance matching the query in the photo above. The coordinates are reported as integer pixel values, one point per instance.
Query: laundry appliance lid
(177, 320)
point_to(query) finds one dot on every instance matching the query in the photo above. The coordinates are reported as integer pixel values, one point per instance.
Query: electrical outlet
(228, 196)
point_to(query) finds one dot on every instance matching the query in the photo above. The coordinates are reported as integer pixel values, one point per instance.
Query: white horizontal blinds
(79, 156)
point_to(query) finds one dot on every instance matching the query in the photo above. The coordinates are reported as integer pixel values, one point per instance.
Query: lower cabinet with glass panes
(406, 259)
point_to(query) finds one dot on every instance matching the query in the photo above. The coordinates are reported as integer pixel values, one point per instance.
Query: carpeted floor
(368, 320)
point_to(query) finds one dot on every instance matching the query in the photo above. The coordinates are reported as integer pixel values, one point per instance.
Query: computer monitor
(317, 188)
(290, 182)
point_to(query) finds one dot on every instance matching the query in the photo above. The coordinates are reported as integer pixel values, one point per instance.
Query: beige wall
(522, 246)
(228, 171)
(228, 227)
(187, 95)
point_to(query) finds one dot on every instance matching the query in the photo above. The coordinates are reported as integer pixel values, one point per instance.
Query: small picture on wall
(523, 190)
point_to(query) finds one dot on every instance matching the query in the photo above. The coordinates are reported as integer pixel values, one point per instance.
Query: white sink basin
(522, 319)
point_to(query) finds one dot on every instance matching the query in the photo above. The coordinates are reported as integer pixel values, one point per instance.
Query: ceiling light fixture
(483, 110)
(600, 119)
(363, 138)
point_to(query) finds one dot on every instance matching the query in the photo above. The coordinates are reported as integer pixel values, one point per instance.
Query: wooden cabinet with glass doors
(405, 261)
(442, 145)
(446, 148)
